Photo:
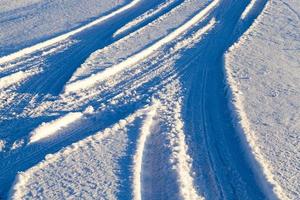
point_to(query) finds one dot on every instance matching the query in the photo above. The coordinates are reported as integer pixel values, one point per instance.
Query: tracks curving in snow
(95, 78)
(170, 79)
(65, 36)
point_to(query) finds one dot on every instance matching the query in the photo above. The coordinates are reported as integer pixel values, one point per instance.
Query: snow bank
(89, 167)
(264, 80)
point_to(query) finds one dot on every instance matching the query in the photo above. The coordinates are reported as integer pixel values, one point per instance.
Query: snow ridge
(49, 129)
(16, 77)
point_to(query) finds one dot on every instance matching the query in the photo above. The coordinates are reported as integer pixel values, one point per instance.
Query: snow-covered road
(132, 105)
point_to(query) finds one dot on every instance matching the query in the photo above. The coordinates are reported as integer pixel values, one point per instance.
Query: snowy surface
(24, 23)
(266, 71)
(128, 99)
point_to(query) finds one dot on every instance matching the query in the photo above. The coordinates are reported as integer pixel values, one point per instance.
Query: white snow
(15, 78)
(89, 168)
(2, 145)
(143, 17)
(263, 73)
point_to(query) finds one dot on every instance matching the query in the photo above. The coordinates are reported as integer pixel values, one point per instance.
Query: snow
(65, 36)
(94, 78)
(15, 78)
(89, 168)
(143, 17)
(138, 157)
(130, 100)
(24, 23)
(2, 145)
(49, 129)
(248, 9)
(263, 71)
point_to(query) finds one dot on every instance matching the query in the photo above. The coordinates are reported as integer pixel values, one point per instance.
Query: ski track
(163, 81)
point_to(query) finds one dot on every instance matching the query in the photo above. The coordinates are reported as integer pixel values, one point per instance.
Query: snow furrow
(65, 36)
(95, 78)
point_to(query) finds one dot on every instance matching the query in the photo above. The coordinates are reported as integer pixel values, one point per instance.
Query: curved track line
(92, 80)
(65, 36)
(138, 157)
